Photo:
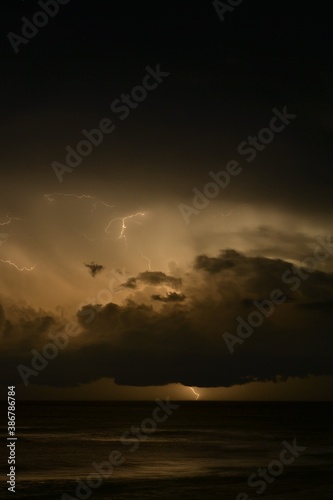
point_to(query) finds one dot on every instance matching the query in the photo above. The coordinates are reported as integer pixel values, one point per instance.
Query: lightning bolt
(233, 210)
(18, 268)
(84, 235)
(52, 196)
(146, 258)
(10, 219)
(4, 237)
(102, 203)
(197, 395)
(122, 234)
(7, 221)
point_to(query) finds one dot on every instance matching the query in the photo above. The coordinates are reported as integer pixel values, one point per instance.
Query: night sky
(166, 171)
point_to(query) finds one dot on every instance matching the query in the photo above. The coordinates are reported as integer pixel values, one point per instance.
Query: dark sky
(225, 78)
(120, 208)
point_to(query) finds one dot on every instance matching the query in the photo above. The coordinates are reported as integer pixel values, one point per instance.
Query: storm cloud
(94, 268)
(181, 340)
(152, 278)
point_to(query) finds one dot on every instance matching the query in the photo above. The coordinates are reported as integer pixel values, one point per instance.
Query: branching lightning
(197, 395)
(95, 202)
(146, 258)
(84, 235)
(52, 196)
(9, 220)
(102, 203)
(122, 234)
(4, 237)
(18, 268)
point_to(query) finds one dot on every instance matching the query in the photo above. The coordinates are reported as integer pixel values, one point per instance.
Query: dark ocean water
(203, 450)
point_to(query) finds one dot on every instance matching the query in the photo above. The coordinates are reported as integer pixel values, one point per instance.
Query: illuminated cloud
(170, 297)
(182, 342)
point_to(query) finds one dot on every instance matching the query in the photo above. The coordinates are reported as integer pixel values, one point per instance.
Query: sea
(162, 450)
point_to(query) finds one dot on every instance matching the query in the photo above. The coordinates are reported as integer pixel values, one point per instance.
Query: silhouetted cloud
(138, 344)
(154, 278)
(94, 268)
(215, 265)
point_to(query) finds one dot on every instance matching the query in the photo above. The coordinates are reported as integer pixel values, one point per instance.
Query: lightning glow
(196, 394)
(122, 234)
(19, 268)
